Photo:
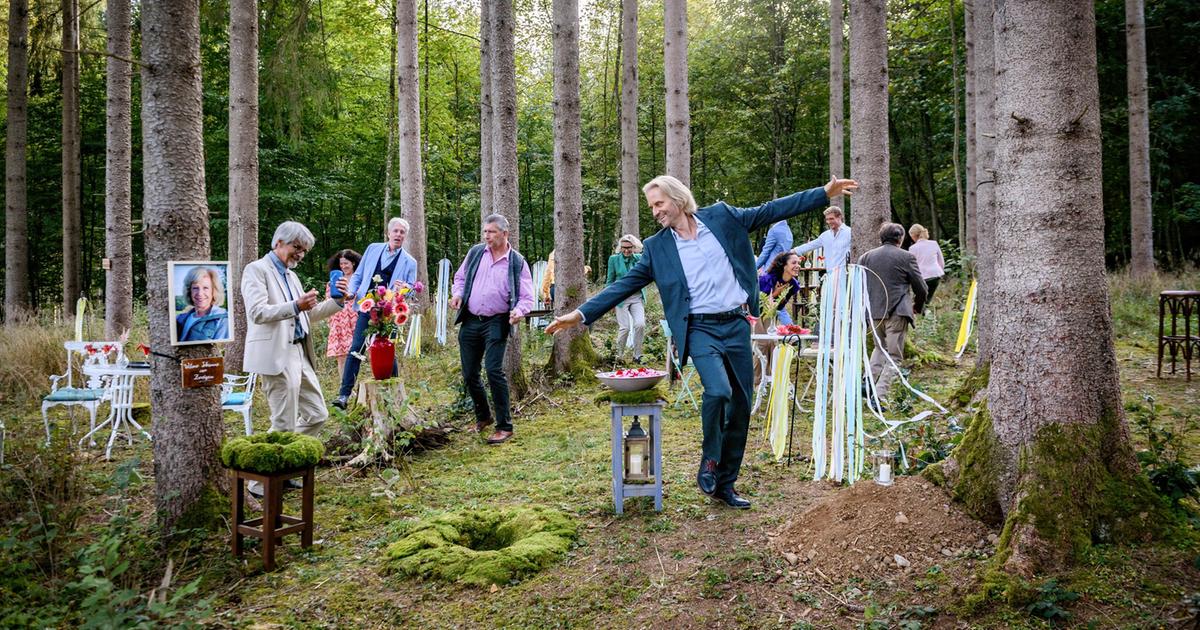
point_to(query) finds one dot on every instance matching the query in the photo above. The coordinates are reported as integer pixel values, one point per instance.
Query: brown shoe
(480, 425)
(499, 437)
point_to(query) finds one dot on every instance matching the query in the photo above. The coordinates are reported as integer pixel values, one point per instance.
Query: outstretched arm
(796, 203)
(603, 302)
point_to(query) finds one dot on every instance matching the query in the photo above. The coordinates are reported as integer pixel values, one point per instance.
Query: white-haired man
(388, 262)
(279, 319)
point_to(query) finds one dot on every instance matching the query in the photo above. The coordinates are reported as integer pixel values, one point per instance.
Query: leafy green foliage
(1048, 597)
(272, 452)
(1161, 460)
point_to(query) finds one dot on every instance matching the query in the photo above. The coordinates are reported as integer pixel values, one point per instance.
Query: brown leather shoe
(480, 425)
(499, 437)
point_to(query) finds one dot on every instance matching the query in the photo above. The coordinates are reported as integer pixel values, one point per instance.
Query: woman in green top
(631, 314)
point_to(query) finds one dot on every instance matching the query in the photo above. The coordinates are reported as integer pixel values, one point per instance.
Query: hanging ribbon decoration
(412, 344)
(80, 308)
(964, 329)
(442, 304)
(780, 400)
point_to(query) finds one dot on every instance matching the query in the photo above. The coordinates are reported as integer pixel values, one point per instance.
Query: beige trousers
(294, 396)
(892, 332)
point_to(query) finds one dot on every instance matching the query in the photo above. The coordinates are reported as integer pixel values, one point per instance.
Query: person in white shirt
(929, 258)
(835, 242)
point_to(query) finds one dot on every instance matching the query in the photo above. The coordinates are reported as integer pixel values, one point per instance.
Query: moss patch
(917, 356)
(978, 462)
(267, 453)
(641, 397)
(974, 383)
(482, 547)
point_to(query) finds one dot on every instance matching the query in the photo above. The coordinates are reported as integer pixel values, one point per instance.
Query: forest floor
(810, 554)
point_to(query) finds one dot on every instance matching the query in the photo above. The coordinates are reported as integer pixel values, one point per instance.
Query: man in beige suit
(279, 318)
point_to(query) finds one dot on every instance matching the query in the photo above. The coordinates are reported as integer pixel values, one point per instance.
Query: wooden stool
(272, 501)
(1185, 305)
(620, 488)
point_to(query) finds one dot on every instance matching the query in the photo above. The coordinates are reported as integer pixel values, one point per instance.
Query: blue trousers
(723, 359)
(350, 374)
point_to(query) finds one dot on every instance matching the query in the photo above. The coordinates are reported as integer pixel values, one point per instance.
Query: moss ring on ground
(482, 547)
(267, 453)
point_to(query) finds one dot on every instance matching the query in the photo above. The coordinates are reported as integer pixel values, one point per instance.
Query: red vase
(383, 356)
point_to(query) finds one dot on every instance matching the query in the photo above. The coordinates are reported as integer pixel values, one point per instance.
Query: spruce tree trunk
(485, 108)
(837, 95)
(118, 241)
(869, 152)
(391, 127)
(72, 228)
(16, 208)
(243, 165)
(572, 350)
(1052, 453)
(969, 245)
(985, 161)
(505, 193)
(675, 77)
(412, 186)
(958, 193)
(631, 196)
(1141, 221)
(187, 422)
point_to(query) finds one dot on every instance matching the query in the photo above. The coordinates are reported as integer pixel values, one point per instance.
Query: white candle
(885, 474)
(635, 461)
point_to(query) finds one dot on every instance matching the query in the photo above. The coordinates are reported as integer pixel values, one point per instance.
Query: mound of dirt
(868, 529)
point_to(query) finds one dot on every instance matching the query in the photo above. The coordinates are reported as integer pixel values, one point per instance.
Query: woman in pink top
(929, 258)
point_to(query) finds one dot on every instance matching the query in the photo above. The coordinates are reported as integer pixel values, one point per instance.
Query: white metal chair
(685, 374)
(237, 395)
(94, 392)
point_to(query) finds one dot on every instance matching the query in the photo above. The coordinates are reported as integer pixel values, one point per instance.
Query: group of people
(701, 262)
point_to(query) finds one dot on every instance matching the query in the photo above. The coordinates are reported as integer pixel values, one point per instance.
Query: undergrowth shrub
(30, 351)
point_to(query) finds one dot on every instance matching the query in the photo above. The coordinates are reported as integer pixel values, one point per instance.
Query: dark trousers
(482, 341)
(931, 285)
(350, 374)
(720, 350)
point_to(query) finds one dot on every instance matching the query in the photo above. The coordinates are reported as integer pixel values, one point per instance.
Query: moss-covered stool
(271, 459)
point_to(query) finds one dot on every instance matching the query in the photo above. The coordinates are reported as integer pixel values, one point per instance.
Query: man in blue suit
(703, 264)
(386, 264)
(779, 240)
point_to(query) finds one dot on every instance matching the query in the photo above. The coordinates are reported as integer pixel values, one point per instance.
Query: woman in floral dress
(341, 325)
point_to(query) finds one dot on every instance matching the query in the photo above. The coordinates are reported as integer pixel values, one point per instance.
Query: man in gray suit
(894, 272)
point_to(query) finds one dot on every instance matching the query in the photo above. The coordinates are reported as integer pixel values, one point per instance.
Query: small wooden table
(620, 488)
(280, 524)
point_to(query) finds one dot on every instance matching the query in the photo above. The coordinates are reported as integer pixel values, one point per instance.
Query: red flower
(144, 348)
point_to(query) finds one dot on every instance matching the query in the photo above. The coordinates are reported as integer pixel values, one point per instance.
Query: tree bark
(187, 422)
(1141, 221)
(985, 161)
(72, 236)
(631, 196)
(505, 193)
(412, 184)
(573, 348)
(391, 127)
(16, 208)
(1055, 435)
(118, 242)
(837, 95)
(869, 152)
(970, 244)
(958, 193)
(485, 108)
(243, 164)
(675, 78)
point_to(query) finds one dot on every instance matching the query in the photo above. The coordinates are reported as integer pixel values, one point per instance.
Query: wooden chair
(1183, 305)
(237, 395)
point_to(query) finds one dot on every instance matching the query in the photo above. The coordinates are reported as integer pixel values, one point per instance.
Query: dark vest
(516, 263)
(386, 272)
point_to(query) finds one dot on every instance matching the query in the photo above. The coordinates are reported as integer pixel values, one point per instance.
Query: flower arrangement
(388, 308)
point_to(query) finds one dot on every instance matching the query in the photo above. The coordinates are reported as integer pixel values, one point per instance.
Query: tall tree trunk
(955, 157)
(243, 164)
(187, 422)
(985, 161)
(391, 127)
(869, 156)
(1052, 454)
(1141, 221)
(970, 244)
(505, 193)
(675, 77)
(631, 197)
(572, 351)
(837, 95)
(16, 208)
(72, 228)
(412, 185)
(118, 241)
(486, 159)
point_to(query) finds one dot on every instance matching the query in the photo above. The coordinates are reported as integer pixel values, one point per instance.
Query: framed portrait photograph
(198, 302)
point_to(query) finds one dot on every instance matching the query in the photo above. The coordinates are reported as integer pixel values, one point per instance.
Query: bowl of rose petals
(631, 380)
(791, 329)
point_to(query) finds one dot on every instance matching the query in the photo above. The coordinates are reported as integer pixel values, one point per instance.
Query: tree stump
(390, 421)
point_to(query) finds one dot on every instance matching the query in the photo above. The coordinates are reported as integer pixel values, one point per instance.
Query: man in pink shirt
(488, 308)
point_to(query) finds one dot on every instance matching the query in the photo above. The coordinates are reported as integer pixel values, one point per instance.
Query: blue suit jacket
(660, 260)
(779, 240)
(405, 271)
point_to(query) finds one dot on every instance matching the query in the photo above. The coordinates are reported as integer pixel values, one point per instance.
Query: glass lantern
(637, 454)
(883, 461)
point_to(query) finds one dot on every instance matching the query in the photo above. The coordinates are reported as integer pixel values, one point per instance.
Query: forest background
(759, 100)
